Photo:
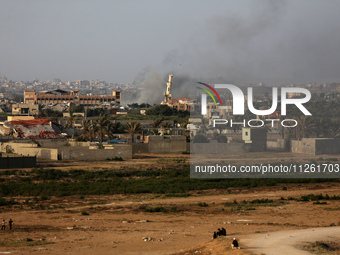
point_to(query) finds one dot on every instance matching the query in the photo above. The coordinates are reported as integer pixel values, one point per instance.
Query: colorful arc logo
(207, 91)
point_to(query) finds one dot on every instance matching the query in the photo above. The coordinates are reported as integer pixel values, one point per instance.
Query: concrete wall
(140, 148)
(306, 146)
(60, 151)
(17, 162)
(79, 153)
(30, 149)
(278, 145)
(217, 148)
(255, 136)
(316, 146)
(41, 153)
(167, 144)
(327, 146)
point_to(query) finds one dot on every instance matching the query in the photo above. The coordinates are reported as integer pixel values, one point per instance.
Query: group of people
(223, 232)
(220, 232)
(3, 224)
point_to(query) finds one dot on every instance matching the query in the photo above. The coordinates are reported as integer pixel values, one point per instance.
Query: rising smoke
(276, 42)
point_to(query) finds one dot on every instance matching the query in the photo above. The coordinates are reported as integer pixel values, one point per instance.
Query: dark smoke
(277, 42)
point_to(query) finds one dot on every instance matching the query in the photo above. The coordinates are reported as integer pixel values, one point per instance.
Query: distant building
(255, 136)
(25, 109)
(60, 96)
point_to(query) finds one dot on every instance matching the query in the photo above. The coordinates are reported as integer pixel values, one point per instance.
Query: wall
(60, 151)
(17, 162)
(217, 148)
(167, 144)
(81, 153)
(327, 146)
(41, 153)
(316, 146)
(278, 145)
(140, 148)
(255, 136)
(306, 146)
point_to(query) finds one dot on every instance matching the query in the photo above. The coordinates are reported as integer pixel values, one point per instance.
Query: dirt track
(286, 242)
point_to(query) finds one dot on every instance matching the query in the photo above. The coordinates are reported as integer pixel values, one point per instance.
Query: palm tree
(157, 122)
(334, 128)
(102, 123)
(167, 125)
(110, 130)
(305, 127)
(133, 127)
(86, 127)
(93, 131)
(70, 118)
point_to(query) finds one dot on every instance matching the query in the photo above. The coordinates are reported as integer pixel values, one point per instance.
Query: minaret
(167, 94)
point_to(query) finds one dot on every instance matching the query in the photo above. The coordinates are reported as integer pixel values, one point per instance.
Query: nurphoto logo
(238, 104)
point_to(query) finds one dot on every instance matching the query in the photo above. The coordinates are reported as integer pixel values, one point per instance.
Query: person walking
(3, 225)
(10, 224)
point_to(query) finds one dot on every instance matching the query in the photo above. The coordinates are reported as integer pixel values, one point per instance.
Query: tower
(167, 94)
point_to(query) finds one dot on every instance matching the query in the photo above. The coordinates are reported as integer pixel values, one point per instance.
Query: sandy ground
(117, 224)
(287, 242)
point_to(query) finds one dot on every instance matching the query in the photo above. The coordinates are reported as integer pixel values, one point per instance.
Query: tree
(167, 125)
(334, 128)
(222, 139)
(200, 138)
(133, 127)
(70, 118)
(102, 123)
(162, 110)
(157, 122)
(90, 129)
(305, 127)
(93, 132)
(110, 128)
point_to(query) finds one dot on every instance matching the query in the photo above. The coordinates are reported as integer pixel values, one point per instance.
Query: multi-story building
(61, 96)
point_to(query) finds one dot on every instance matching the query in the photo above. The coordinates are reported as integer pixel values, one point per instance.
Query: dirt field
(130, 224)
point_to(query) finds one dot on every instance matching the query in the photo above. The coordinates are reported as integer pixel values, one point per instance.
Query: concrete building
(255, 136)
(60, 96)
(60, 149)
(25, 109)
(316, 146)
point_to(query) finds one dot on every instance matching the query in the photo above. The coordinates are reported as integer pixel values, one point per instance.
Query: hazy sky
(116, 41)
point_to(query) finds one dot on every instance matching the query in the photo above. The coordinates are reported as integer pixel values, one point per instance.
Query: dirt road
(286, 242)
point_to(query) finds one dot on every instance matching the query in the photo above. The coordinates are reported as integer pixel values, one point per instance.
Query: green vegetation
(85, 213)
(204, 204)
(317, 197)
(155, 209)
(250, 205)
(319, 203)
(323, 247)
(5, 202)
(26, 242)
(115, 159)
(164, 110)
(172, 180)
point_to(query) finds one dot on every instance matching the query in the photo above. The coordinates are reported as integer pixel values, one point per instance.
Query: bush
(222, 139)
(84, 213)
(199, 138)
(204, 204)
(156, 209)
(4, 202)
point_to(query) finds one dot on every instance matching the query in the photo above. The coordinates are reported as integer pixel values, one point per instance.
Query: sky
(131, 41)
